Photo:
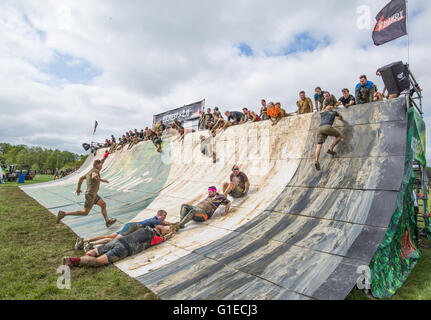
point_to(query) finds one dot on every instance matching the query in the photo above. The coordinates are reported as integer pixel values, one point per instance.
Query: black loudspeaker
(395, 77)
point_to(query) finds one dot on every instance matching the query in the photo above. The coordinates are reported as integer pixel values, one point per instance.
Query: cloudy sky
(64, 64)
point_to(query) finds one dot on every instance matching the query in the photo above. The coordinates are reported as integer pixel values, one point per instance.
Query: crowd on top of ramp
(365, 92)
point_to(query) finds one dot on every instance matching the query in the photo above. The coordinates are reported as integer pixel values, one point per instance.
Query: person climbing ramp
(325, 129)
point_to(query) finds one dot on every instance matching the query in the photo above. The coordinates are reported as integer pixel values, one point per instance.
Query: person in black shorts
(121, 248)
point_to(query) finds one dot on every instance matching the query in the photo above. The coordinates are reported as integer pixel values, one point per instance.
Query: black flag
(391, 22)
(95, 127)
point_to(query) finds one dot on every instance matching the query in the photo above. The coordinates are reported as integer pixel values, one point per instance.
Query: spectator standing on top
(304, 104)
(364, 92)
(208, 118)
(263, 110)
(318, 99)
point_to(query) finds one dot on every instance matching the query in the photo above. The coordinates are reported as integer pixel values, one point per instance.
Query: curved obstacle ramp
(299, 233)
(309, 242)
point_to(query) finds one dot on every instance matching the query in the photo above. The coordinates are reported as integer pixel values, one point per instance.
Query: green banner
(398, 253)
(419, 139)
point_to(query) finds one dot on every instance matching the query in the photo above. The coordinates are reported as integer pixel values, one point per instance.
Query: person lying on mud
(239, 184)
(122, 247)
(204, 210)
(91, 196)
(328, 117)
(128, 228)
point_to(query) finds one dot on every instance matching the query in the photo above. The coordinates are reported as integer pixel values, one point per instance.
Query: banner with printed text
(398, 253)
(187, 113)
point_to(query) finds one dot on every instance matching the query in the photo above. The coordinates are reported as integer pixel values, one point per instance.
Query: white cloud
(156, 55)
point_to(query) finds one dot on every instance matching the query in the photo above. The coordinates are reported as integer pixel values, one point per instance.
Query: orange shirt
(273, 112)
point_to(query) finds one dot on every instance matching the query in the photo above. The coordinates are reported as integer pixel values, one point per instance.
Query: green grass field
(31, 251)
(33, 245)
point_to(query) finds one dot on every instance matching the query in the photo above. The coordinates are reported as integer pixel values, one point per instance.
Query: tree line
(39, 159)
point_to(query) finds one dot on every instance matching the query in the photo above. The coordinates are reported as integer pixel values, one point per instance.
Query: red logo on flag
(383, 23)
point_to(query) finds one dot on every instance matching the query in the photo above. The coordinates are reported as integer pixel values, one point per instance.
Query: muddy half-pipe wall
(299, 233)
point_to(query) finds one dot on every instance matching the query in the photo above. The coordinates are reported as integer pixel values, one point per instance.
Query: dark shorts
(157, 141)
(128, 228)
(91, 200)
(199, 214)
(114, 250)
(324, 132)
(238, 192)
